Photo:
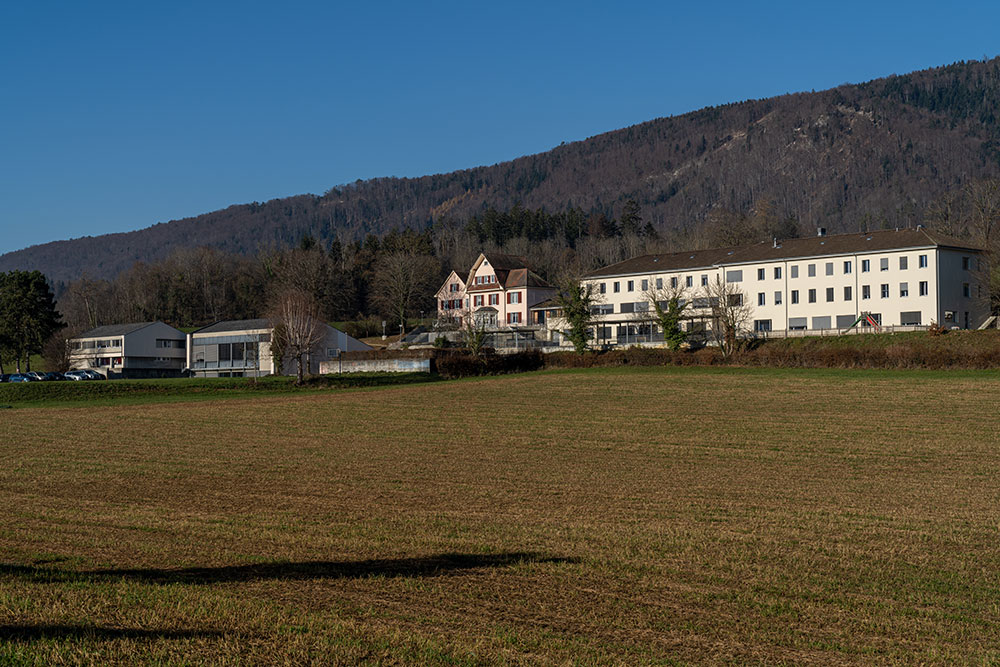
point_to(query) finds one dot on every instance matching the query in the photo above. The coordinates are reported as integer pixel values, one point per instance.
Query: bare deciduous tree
(297, 328)
(403, 281)
(731, 314)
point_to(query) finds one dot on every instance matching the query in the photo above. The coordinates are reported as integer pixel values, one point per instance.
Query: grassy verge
(40, 394)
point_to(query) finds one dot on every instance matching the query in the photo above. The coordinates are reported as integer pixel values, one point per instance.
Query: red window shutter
(508, 297)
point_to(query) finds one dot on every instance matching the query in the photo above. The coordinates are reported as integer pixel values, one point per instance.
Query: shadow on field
(429, 566)
(33, 632)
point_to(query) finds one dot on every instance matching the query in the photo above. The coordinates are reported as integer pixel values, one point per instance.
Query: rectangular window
(777, 273)
(965, 290)
(602, 288)
(673, 282)
(829, 294)
(477, 300)
(617, 287)
(645, 285)
(224, 351)
(795, 271)
(911, 317)
(761, 300)
(885, 290)
(795, 296)
(704, 280)
(904, 289)
(515, 297)
(777, 298)
(847, 267)
(689, 281)
(494, 299)
(866, 265)
(513, 318)
(734, 276)
(965, 263)
(824, 322)
(761, 325)
(812, 296)
(829, 268)
(883, 264)
(760, 274)
(630, 286)
(866, 291)
(797, 323)
(659, 283)
(628, 307)
(903, 264)
(847, 293)
(923, 288)
(922, 261)
(811, 270)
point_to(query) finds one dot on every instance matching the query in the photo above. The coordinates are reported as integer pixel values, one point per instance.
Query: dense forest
(394, 276)
(854, 157)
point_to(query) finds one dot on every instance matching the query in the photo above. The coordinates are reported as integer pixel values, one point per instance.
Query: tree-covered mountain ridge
(876, 154)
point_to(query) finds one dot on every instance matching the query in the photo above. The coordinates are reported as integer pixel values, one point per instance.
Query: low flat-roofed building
(242, 348)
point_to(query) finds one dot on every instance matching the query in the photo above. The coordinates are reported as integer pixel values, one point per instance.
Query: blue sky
(116, 116)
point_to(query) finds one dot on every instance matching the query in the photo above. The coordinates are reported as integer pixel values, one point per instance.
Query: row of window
(736, 275)
(485, 280)
(492, 299)
(866, 293)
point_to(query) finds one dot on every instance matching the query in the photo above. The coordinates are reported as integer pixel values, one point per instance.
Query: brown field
(601, 516)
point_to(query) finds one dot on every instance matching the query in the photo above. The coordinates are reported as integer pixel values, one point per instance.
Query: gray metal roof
(236, 325)
(117, 330)
(801, 248)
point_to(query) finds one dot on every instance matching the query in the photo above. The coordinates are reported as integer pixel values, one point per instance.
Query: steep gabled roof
(524, 277)
(116, 330)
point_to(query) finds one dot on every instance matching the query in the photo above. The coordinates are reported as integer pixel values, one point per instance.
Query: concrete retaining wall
(376, 365)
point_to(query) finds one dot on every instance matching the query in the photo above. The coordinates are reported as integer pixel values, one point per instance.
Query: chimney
(821, 231)
(919, 227)
(775, 241)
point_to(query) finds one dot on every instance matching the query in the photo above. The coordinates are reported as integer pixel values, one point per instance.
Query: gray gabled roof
(236, 325)
(785, 249)
(116, 330)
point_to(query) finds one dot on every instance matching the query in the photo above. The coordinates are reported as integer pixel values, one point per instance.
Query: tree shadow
(428, 566)
(36, 632)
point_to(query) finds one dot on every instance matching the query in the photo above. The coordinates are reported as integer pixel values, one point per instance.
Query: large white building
(820, 284)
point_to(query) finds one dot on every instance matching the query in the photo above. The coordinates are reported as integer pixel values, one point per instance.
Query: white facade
(147, 349)
(242, 348)
(820, 284)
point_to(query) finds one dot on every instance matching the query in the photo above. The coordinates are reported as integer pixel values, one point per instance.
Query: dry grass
(601, 516)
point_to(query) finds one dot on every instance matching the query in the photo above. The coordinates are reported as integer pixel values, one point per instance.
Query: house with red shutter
(453, 305)
(501, 289)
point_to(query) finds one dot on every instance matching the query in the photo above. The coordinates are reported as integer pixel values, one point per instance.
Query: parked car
(35, 375)
(4, 377)
(22, 377)
(93, 375)
(74, 375)
(54, 376)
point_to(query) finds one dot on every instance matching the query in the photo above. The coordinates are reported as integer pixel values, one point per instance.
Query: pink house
(500, 290)
(453, 306)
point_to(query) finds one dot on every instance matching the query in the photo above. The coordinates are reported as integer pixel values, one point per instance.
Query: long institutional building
(823, 283)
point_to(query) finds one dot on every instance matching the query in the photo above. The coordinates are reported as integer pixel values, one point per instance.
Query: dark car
(22, 377)
(54, 376)
(4, 377)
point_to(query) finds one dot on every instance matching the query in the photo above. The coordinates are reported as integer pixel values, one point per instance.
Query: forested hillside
(883, 153)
